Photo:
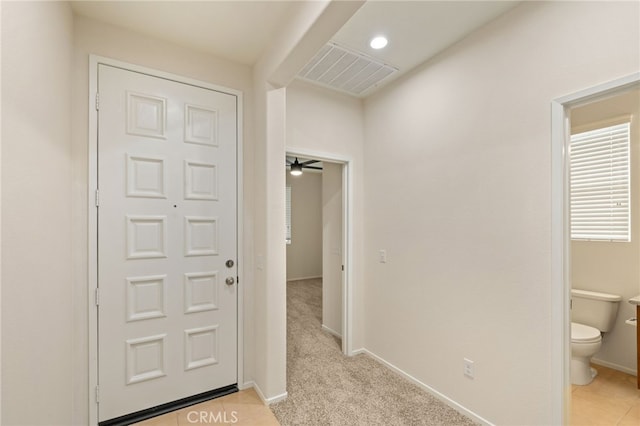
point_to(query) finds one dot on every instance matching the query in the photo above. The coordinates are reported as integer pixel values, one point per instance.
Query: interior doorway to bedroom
(316, 244)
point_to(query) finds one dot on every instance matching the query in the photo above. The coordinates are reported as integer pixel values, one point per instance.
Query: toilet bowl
(585, 342)
(592, 313)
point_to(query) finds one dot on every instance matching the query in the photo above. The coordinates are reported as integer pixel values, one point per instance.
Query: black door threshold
(159, 410)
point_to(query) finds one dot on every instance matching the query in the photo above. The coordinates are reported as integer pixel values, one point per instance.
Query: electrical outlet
(468, 368)
(382, 256)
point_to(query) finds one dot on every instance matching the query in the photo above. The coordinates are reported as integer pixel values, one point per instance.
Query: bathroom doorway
(584, 105)
(610, 263)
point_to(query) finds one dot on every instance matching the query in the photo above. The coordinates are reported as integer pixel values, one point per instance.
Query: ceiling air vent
(342, 69)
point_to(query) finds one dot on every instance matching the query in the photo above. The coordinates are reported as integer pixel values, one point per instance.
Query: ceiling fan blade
(312, 167)
(309, 162)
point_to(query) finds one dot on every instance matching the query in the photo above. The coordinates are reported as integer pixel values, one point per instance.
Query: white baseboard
(269, 401)
(359, 351)
(277, 398)
(246, 385)
(451, 403)
(316, 277)
(615, 366)
(331, 331)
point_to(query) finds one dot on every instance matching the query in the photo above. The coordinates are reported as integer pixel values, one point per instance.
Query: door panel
(167, 322)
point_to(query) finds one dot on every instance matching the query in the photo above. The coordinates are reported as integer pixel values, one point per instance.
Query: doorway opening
(329, 177)
(561, 231)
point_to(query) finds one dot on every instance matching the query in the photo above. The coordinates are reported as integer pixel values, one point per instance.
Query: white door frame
(92, 281)
(560, 237)
(347, 236)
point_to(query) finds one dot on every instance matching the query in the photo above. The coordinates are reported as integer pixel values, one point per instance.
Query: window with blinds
(288, 214)
(600, 184)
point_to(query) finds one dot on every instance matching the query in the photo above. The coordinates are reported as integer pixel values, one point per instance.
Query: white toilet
(592, 313)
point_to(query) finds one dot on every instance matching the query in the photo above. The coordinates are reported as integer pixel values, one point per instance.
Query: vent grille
(341, 69)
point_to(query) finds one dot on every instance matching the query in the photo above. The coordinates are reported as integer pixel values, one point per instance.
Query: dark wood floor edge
(159, 410)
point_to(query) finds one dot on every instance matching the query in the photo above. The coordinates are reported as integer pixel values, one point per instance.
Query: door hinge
(97, 198)
(343, 267)
(237, 280)
(97, 297)
(97, 394)
(97, 101)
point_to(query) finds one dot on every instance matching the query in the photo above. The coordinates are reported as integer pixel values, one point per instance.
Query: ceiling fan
(295, 167)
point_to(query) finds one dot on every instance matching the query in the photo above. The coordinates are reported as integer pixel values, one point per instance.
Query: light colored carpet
(327, 388)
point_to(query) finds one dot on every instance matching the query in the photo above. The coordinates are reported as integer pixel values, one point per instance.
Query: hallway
(327, 388)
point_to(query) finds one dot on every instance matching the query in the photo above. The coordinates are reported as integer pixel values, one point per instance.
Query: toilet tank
(595, 309)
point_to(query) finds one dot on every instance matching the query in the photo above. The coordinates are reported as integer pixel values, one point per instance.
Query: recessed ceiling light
(378, 42)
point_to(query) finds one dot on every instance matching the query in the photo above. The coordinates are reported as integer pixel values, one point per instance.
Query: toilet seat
(581, 333)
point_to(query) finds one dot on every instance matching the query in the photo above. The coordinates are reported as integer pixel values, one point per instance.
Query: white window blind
(288, 214)
(599, 163)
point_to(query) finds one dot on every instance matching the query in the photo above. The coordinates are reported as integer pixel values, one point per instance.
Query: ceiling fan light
(296, 168)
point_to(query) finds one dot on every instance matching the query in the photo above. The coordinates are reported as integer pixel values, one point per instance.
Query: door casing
(92, 267)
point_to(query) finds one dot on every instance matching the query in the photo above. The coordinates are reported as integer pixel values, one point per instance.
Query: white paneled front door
(167, 241)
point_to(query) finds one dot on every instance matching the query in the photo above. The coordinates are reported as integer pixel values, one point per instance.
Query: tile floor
(244, 408)
(612, 399)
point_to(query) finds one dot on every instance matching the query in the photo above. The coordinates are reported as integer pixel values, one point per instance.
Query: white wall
(37, 340)
(613, 267)
(332, 247)
(457, 190)
(304, 254)
(309, 110)
(92, 37)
